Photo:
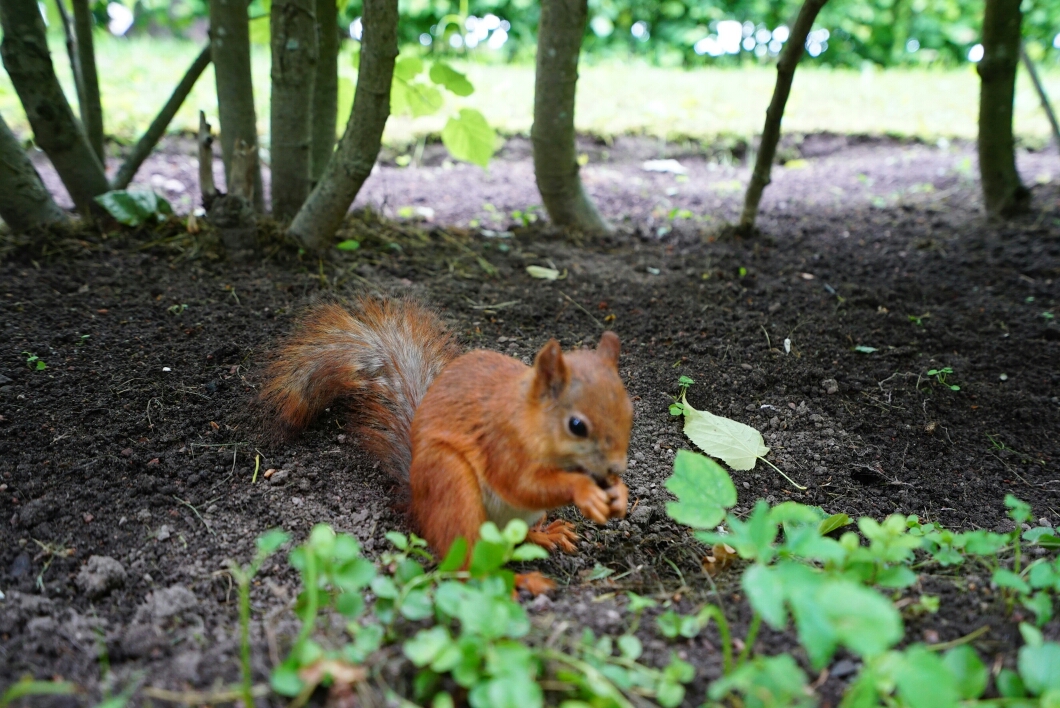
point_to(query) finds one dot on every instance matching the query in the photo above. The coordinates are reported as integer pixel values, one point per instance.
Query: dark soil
(137, 441)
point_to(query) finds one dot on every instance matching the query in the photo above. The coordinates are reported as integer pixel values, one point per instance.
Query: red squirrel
(476, 437)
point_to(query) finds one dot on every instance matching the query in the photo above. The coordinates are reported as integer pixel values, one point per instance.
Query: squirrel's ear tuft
(550, 371)
(608, 348)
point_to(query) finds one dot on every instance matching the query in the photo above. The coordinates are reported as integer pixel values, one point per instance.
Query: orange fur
(479, 437)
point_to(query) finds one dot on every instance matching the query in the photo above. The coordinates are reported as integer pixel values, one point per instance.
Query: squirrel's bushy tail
(379, 359)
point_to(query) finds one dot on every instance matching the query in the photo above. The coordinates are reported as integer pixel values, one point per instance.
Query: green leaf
(270, 542)
(416, 98)
(321, 540)
(515, 532)
(753, 539)
(399, 540)
(542, 273)
(442, 700)
(968, 670)
(864, 349)
(1043, 536)
(833, 523)
(445, 75)
(703, 489)
(354, 575)
(487, 557)
(134, 208)
(529, 552)
(639, 603)
(765, 592)
(417, 605)
(285, 681)
(507, 691)
(669, 694)
(669, 624)
(348, 245)
(923, 680)
(384, 587)
(456, 556)
(1039, 667)
(407, 68)
(766, 682)
(1019, 510)
(599, 572)
(1009, 684)
(426, 645)
(29, 687)
(1005, 578)
(630, 647)
(864, 621)
(735, 443)
(469, 137)
(349, 604)
(896, 576)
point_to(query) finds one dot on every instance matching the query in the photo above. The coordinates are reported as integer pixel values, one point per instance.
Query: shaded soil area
(138, 442)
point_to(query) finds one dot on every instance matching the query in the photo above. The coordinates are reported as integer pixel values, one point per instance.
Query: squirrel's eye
(578, 427)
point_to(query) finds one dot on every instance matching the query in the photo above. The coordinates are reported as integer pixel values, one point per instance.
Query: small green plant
(918, 320)
(267, 545)
(136, 207)
(177, 310)
(34, 362)
(827, 588)
(941, 375)
(526, 216)
(479, 639)
(27, 686)
(467, 136)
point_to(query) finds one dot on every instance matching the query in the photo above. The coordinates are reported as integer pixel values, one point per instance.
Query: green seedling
(267, 545)
(526, 216)
(941, 375)
(177, 310)
(34, 362)
(918, 320)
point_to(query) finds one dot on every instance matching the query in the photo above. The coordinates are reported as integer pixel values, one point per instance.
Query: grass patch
(614, 99)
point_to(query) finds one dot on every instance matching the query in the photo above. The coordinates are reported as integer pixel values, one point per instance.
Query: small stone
(830, 386)
(211, 509)
(843, 667)
(143, 515)
(1045, 522)
(541, 603)
(100, 575)
(122, 521)
(163, 533)
(4, 380)
(127, 452)
(820, 471)
(279, 476)
(297, 501)
(641, 516)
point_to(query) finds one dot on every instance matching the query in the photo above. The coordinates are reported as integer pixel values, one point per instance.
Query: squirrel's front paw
(559, 534)
(618, 494)
(594, 503)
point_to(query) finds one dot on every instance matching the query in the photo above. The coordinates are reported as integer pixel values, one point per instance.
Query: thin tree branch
(158, 126)
(767, 148)
(1042, 96)
(91, 108)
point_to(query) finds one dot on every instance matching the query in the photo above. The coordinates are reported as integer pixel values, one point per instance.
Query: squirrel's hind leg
(559, 534)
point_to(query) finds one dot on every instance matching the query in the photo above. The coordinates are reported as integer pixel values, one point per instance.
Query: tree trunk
(91, 109)
(230, 49)
(28, 63)
(1003, 193)
(325, 88)
(767, 148)
(158, 126)
(24, 200)
(294, 58)
(322, 214)
(1042, 95)
(559, 42)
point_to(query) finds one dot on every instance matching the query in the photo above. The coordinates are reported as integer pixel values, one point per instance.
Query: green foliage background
(860, 31)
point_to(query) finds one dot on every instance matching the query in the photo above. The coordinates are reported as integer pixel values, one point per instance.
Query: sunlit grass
(137, 76)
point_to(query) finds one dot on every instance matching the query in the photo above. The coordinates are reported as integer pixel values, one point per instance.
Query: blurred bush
(680, 33)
